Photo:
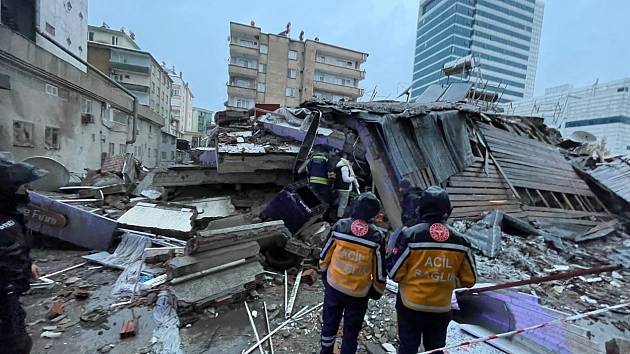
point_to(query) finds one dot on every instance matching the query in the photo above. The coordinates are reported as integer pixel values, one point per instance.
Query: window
(172, 155)
(247, 42)
(22, 134)
(114, 40)
(622, 89)
(51, 138)
(122, 149)
(289, 92)
(111, 149)
(86, 106)
(163, 155)
(628, 147)
(164, 139)
(126, 76)
(292, 73)
(120, 117)
(52, 90)
(50, 29)
(91, 36)
(321, 58)
(260, 87)
(264, 49)
(149, 153)
(262, 68)
(293, 55)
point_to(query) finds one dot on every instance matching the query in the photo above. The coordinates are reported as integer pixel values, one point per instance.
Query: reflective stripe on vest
(318, 180)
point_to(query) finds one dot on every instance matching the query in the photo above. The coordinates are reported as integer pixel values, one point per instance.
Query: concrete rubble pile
(219, 228)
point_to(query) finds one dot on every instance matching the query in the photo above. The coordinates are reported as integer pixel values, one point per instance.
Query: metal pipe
(268, 328)
(251, 322)
(537, 280)
(106, 77)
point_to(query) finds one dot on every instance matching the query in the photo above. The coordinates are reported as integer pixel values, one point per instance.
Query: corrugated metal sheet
(615, 176)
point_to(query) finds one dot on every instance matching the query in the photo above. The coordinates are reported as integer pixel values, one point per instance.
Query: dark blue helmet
(15, 174)
(433, 205)
(366, 207)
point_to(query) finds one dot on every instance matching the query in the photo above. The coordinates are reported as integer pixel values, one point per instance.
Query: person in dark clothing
(352, 264)
(428, 262)
(16, 266)
(317, 168)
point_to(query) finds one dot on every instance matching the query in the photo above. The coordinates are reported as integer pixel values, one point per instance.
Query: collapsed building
(211, 229)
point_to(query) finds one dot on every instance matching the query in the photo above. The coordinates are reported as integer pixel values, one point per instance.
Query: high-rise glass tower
(503, 36)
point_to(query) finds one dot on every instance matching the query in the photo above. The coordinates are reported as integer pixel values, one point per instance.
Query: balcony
(341, 90)
(247, 30)
(238, 50)
(236, 91)
(129, 67)
(340, 70)
(242, 71)
(134, 87)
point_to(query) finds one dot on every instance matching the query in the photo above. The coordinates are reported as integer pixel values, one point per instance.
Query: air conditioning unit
(87, 118)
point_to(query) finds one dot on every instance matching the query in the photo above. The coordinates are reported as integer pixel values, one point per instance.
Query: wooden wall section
(474, 193)
(529, 163)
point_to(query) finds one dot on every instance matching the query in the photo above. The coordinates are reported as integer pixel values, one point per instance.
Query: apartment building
(201, 120)
(602, 109)
(181, 106)
(503, 36)
(277, 69)
(138, 71)
(119, 38)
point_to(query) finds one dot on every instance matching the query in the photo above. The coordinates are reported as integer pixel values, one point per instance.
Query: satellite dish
(58, 175)
(583, 137)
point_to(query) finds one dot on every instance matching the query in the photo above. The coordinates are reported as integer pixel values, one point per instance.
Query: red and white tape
(526, 329)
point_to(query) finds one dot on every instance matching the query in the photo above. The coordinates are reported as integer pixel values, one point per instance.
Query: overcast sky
(582, 40)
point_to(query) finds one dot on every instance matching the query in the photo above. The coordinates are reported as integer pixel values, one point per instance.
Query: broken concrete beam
(201, 292)
(266, 234)
(157, 255)
(298, 248)
(197, 175)
(232, 221)
(128, 329)
(180, 266)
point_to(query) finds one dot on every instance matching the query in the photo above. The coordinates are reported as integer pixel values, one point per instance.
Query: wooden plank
(482, 191)
(454, 197)
(564, 196)
(555, 199)
(550, 187)
(573, 212)
(518, 163)
(542, 197)
(486, 208)
(566, 221)
(464, 203)
(505, 177)
(475, 179)
(479, 183)
(561, 214)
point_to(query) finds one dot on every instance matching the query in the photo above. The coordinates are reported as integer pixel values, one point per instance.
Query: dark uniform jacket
(353, 258)
(318, 169)
(428, 263)
(15, 262)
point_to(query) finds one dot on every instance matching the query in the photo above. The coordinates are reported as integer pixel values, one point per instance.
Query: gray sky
(582, 40)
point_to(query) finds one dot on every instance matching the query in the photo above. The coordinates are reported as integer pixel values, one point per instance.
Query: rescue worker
(317, 169)
(345, 180)
(15, 263)
(428, 263)
(353, 271)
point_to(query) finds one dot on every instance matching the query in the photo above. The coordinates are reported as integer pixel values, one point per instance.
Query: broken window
(51, 139)
(23, 134)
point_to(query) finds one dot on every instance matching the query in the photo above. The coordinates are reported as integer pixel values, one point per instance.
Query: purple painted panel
(83, 228)
(299, 135)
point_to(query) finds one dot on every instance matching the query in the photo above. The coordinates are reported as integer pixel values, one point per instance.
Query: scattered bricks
(309, 276)
(56, 309)
(154, 256)
(128, 329)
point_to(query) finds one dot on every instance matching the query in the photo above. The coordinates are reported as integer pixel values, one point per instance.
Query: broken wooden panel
(529, 163)
(479, 190)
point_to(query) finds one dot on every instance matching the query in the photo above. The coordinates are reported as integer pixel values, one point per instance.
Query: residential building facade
(137, 71)
(503, 36)
(602, 109)
(118, 38)
(201, 120)
(276, 69)
(63, 21)
(181, 106)
(78, 118)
